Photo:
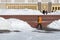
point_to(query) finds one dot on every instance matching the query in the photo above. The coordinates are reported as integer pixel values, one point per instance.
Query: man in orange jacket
(39, 25)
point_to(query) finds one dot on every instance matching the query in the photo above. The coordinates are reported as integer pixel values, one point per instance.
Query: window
(56, 1)
(18, 1)
(21, 1)
(12, 1)
(52, 1)
(0, 1)
(5, 1)
(26, 1)
(59, 1)
(45, 1)
(52, 8)
(55, 8)
(58, 8)
(32, 1)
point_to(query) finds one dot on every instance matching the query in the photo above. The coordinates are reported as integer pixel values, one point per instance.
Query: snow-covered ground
(17, 24)
(55, 24)
(19, 12)
(13, 24)
(27, 32)
(4, 25)
(30, 36)
(25, 12)
(55, 13)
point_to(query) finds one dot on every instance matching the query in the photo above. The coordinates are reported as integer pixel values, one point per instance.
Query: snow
(25, 12)
(30, 36)
(4, 25)
(55, 13)
(19, 12)
(16, 24)
(20, 25)
(55, 24)
(13, 24)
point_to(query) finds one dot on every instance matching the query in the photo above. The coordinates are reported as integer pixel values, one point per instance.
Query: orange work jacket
(39, 19)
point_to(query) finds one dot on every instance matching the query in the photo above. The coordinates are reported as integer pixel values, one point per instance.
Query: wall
(55, 7)
(22, 6)
(19, 6)
(32, 19)
(2, 6)
(44, 6)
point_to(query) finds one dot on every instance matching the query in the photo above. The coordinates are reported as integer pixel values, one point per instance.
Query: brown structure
(32, 19)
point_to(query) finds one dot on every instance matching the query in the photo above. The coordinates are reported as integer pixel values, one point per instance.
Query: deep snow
(19, 12)
(20, 25)
(25, 12)
(30, 36)
(13, 24)
(4, 25)
(16, 24)
(55, 13)
(55, 24)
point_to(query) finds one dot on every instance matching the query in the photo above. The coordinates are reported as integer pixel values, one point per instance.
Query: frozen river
(30, 36)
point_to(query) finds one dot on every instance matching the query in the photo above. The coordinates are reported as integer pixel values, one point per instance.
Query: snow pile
(4, 25)
(20, 25)
(13, 24)
(19, 12)
(55, 13)
(54, 25)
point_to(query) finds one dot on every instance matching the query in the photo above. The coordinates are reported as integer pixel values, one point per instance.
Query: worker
(39, 25)
(52, 11)
(43, 12)
(46, 12)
